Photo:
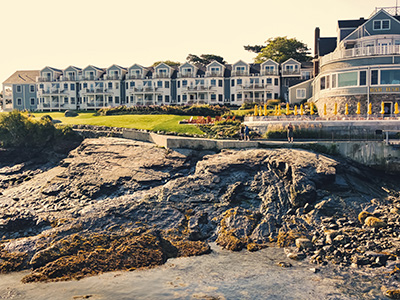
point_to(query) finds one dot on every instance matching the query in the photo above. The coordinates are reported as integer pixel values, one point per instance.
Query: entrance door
(384, 46)
(388, 106)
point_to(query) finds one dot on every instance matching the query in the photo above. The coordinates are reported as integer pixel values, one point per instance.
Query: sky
(60, 33)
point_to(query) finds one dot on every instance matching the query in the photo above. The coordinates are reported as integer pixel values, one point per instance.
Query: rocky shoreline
(115, 204)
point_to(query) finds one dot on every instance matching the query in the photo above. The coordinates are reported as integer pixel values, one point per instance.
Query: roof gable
(215, 63)
(72, 68)
(269, 62)
(367, 27)
(240, 63)
(162, 65)
(291, 61)
(187, 65)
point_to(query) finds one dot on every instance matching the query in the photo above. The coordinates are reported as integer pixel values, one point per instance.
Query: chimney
(316, 51)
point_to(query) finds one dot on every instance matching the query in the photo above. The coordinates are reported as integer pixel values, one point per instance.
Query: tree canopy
(167, 62)
(280, 49)
(204, 59)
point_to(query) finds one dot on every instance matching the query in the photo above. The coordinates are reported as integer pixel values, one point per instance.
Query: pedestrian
(242, 133)
(246, 133)
(290, 133)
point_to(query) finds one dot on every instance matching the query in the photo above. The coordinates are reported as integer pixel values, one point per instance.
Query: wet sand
(219, 275)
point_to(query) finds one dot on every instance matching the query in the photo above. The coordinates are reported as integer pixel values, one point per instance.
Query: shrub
(193, 110)
(17, 130)
(46, 117)
(273, 102)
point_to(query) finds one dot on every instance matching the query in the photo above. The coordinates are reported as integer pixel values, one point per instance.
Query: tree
(204, 59)
(167, 62)
(280, 49)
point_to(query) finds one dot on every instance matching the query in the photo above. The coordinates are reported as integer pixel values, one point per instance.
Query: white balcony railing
(269, 72)
(359, 52)
(214, 74)
(291, 72)
(186, 75)
(161, 75)
(134, 76)
(240, 73)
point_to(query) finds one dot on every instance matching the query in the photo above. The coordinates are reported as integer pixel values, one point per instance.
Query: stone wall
(352, 100)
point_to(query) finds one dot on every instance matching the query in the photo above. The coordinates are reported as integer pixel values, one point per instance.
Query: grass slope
(148, 122)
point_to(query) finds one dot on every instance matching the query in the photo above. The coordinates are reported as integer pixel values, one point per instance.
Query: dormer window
(214, 69)
(381, 24)
(187, 70)
(240, 69)
(162, 71)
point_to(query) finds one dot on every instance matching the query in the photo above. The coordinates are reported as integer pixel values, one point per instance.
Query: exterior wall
(22, 95)
(300, 92)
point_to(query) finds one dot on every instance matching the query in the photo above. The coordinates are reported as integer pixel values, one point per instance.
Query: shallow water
(219, 275)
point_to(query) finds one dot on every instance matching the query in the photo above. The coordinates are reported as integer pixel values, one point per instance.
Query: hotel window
(363, 77)
(72, 87)
(239, 81)
(276, 81)
(110, 85)
(65, 86)
(85, 85)
(269, 69)
(214, 70)
(32, 101)
(300, 93)
(328, 79)
(166, 84)
(220, 82)
(166, 98)
(132, 84)
(213, 97)
(269, 95)
(239, 96)
(305, 75)
(240, 69)
(126, 85)
(32, 88)
(322, 83)
(117, 85)
(213, 82)
(334, 76)
(233, 97)
(19, 101)
(19, 89)
(72, 100)
(390, 76)
(381, 24)
(41, 86)
(184, 97)
(159, 84)
(374, 77)
(184, 83)
(347, 79)
(65, 100)
(159, 98)
(269, 80)
(220, 97)
(109, 99)
(233, 82)
(116, 99)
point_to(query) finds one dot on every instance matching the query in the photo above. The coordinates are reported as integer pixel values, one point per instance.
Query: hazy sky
(60, 33)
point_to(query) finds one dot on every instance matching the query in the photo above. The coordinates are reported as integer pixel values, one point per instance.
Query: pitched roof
(23, 77)
(326, 45)
(351, 23)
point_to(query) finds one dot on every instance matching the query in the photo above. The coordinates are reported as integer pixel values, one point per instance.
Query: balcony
(142, 90)
(269, 72)
(295, 72)
(214, 74)
(240, 73)
(252, 87)
(134, 76)
(197, 88)
(53, 91)
(186, 75)
(68, 78)
(113, 77)
(161, 75)
(44, 79)
(360, 52)
(88, 91)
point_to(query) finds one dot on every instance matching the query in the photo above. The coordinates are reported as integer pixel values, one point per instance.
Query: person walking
(246, 133)
(290, 133)
(242, 133)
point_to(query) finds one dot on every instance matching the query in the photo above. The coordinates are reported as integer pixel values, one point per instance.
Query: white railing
(134, 76)
(214, 74)
(359, 52)
(269, 72)
(240, 73)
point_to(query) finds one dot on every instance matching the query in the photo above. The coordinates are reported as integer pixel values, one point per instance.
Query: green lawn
(148, 122)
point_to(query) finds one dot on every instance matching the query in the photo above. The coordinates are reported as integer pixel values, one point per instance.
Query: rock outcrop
(137, 205)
